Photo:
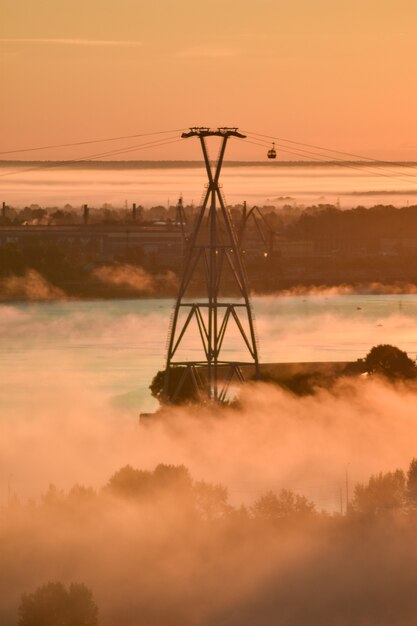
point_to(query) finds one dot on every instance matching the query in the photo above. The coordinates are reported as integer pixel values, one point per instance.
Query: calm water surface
(116, 347)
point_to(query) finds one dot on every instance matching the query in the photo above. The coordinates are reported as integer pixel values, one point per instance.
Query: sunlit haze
(208, 312)
(340, 74)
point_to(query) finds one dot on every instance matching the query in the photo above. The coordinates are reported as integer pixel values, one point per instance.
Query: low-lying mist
(31, 286)
(192, 555)
(69, 433)
(134, 279)
(345, 289)
(137, 278)
(155, 560)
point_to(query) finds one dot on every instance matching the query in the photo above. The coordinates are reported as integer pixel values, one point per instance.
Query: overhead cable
(91, 141)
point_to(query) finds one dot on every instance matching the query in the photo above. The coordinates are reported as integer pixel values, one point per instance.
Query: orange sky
(331, 72)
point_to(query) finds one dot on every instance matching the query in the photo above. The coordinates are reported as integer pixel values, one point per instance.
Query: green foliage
(390, 362)
(54, 605)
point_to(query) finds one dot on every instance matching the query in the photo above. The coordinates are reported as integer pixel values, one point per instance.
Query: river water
(75, 376)
(115, 348)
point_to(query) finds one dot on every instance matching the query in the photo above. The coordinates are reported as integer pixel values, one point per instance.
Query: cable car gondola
(272, 153)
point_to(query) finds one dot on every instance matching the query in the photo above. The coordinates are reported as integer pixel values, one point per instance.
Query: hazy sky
(331, 72)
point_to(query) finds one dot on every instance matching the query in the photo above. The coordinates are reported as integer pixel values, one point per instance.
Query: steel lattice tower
(212, 252)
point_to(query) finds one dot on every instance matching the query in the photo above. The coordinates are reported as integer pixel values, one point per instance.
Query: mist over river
(75, 377)
(152, 183)
(116, 347)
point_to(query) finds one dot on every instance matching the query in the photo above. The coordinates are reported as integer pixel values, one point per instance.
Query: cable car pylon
(213, 267)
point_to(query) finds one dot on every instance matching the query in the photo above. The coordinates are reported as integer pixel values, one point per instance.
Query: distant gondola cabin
(272, 153)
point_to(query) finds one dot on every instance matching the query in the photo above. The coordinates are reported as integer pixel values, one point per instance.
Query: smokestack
(86, 212)
(3, 210)
(134, 214)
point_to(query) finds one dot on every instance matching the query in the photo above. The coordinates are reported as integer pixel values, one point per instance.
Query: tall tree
(390, 361)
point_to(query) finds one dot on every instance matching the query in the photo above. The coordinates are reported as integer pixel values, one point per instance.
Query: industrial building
(108, 240)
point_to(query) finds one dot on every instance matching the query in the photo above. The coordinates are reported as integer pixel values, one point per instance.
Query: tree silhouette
(187, 393)
(384, 493)
(52, 605)
(211, 500)
(390, 362)
(129, 482)
(287, 505)
(411, 487)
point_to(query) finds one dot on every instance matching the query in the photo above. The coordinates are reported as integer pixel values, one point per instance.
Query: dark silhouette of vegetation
(384, 360)
(391, 362)
(369, 248)
(384, 493)
(411, 487)
(308, 383)
(387, 494)
(163, 548)
(185, 395)
(286, 506)
(54, 605)
(211, 501)
(138, 484)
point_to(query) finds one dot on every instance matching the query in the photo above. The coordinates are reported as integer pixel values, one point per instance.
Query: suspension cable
(51, 165)
(363, 168)
(83, 143)
(307, 145)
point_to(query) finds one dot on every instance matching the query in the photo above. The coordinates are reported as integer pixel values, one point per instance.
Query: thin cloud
(74, 42)
(209, 52)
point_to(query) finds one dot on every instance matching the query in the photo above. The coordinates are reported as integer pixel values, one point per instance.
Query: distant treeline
(289, 219)
(295, 219)
(359, 224)
(158, 547)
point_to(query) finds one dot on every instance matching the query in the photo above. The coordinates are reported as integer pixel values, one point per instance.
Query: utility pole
(180, 217)
(212, 255)
(86, 214)
(347, 486)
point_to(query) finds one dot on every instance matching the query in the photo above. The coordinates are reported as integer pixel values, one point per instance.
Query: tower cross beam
(203, 131)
